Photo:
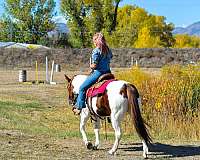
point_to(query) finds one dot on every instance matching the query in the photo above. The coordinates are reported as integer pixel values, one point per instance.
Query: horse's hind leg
(145, 149)
(117, 128)
(84, 118)
(96, 131)
(117, 116)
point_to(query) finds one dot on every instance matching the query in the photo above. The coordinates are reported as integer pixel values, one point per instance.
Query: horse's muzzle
(72, 100)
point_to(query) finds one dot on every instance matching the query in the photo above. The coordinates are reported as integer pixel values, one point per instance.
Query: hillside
(193, 29)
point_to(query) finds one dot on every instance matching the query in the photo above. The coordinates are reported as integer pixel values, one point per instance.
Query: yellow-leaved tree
(146, 39)
(137, 28)
(187, 41)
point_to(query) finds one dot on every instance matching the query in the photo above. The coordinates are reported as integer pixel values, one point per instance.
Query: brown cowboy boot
(76, 111)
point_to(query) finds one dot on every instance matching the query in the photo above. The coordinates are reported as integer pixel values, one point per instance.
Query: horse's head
(73, 86)
(70, 89)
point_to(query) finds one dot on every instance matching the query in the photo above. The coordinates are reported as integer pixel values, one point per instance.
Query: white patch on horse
(94, 102)
(77, 81)
(114, 96)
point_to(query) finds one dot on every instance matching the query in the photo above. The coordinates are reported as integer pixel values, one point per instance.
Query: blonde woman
(100, 64)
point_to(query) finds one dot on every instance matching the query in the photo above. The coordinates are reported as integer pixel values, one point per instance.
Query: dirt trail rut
(15, 145)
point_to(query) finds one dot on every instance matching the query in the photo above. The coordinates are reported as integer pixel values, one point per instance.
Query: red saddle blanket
(93, 91)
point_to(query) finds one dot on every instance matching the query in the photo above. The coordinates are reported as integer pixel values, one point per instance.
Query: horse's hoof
(145, 156)
(89, 145)
(95, 148)
(111, 152)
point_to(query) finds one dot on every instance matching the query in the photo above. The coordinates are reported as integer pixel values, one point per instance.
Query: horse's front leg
(96, 131)
(85, 114)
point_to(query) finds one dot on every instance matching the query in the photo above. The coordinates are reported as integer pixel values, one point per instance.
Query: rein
(75, 98)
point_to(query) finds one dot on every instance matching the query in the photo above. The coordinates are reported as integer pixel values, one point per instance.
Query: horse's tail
(133, 95)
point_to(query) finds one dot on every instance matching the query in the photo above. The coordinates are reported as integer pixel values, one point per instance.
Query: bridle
(72, 97)
(73, 101)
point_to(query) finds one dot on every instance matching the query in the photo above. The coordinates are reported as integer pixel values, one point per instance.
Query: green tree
(114, 22)
(27, 20)
(76, 12)
(110, 13)
(161, 29)
(85, 17)
(9, 30)
(123, 26)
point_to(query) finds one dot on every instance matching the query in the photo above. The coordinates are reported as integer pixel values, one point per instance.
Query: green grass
(26, 117)
(9, 105)
(36, 119)
(18, 116)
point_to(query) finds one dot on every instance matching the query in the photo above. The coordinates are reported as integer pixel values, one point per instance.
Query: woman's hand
(93, 66)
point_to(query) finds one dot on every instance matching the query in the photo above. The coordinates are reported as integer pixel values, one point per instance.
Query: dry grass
(171, 100)
(42, 109)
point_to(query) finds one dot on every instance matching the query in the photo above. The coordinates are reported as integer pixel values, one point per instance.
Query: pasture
(37, 123)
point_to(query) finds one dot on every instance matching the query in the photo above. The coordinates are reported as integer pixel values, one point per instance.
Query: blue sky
(180, 12)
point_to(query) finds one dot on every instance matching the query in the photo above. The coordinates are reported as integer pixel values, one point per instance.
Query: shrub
(170, 100)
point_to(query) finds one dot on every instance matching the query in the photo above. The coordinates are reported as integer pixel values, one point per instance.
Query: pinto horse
(122, 97)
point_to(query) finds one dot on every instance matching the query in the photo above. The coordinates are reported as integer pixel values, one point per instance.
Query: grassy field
(38, 109)
(44, 107)
(37, 119)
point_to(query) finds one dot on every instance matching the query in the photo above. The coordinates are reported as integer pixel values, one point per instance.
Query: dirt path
(15, 145)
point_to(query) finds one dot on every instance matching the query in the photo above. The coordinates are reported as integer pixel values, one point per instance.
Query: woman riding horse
(121, 95)
(100, 64)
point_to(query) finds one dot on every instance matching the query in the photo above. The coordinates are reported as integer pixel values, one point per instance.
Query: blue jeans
(91, 79)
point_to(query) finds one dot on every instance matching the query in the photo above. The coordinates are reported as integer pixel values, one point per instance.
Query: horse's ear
(67, 78)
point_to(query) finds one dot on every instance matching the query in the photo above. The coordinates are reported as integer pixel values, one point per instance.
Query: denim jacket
(101, 60)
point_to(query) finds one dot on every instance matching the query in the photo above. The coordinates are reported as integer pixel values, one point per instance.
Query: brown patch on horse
(103, 108)
(123, 91)
(135, 91)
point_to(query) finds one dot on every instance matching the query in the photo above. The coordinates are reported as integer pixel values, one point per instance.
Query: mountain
(60, 29)
(193, 29)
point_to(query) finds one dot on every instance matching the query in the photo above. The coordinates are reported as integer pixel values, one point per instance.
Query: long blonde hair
(101, 42)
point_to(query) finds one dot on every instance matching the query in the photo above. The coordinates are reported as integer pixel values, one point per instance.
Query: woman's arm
(95, 58)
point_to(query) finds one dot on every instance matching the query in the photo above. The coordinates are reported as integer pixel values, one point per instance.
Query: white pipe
(52, 70)
(47, 74)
